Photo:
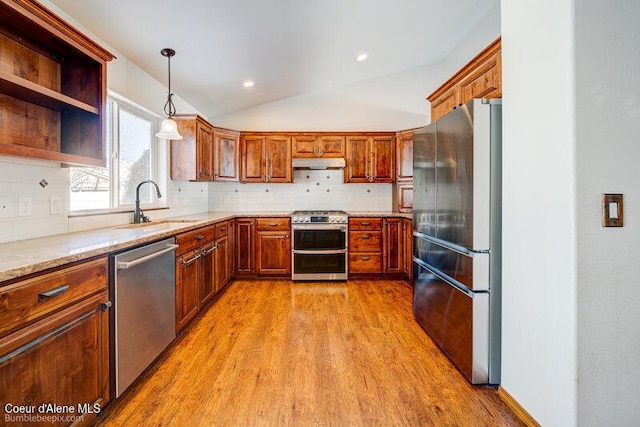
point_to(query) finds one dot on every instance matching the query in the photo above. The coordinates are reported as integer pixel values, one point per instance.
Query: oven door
(325, 237)
(320, 265)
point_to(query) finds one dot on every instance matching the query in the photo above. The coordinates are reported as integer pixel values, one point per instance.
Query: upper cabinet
(480, 78)
(52, 87)
(265, 158)
(318, 146)
(226, 155)
(370, 159)
(404, 156)
(192, 156)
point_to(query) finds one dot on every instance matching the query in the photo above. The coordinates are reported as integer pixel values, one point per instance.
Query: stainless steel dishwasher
(143, 286)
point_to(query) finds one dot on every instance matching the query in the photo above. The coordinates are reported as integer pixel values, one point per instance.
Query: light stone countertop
(24, 257)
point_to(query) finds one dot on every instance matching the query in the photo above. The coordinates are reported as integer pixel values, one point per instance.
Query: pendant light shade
(169, 128)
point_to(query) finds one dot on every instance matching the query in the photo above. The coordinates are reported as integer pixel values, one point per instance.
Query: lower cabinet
(273, 246)
(365, 245)
(188, 272)
(244, 247)
(61, 355)
(393, 246)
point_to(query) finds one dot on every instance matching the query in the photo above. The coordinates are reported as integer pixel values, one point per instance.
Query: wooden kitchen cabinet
(226, 155)
(327, 146)
(403, 196)
(370, 159)
(245, 246)
(52, 87)
(195, 273)
(393, 250)
(266, 158)
(365, 245)
(273, 246)
(57, 332)
(480, 78)
(223, 255)
(192, 156)
(404, 156)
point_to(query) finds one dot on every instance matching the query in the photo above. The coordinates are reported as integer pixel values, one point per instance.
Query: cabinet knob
(106, 306)
(200, 237)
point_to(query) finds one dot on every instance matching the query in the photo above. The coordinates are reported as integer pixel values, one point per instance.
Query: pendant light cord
(169, 108)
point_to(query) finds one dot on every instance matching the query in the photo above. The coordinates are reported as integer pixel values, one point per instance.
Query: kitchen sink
(163, 223)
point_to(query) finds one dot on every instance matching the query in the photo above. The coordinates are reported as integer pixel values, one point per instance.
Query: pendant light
(169, 128)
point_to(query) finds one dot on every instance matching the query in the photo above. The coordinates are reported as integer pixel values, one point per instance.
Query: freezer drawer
(457, 321)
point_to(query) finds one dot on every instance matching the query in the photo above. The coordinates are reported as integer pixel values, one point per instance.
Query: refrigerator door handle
(456, 248)
(443, 276)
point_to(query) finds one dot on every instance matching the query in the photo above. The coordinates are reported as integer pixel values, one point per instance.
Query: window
(131, 146)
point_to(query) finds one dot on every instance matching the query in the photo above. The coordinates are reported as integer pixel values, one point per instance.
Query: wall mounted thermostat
(612, 214)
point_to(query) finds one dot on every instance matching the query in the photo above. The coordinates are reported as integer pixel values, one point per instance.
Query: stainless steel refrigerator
(457, 236)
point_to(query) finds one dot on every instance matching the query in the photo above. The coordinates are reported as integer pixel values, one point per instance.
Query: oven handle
(317, 227)
(305, 252)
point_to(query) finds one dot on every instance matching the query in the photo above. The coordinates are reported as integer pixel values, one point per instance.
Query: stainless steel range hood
(322, 163)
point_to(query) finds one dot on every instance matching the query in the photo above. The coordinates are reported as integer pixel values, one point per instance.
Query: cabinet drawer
(27, 300)
(270, 224)
(365, 241)
(194, 239)
(365, 262)
(222, 229)
(365, 223)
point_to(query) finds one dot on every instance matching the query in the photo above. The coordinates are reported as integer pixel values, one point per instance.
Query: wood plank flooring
(271, 353)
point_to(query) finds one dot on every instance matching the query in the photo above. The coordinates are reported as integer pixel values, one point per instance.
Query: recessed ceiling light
(248, 84)
(362, 56)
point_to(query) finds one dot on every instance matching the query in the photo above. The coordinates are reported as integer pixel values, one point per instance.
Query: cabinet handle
(200, 237)
(365, 258)
(365, 223)
(273, 224)
(106, 306)
(223, 228)
(52, 293)
(189, 261)
(366, 237)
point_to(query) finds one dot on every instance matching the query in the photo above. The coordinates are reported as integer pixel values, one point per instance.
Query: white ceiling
(289, 47)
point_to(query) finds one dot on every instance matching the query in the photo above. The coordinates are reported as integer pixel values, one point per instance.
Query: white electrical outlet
(55, 205)
(5, 207)
(24, 206)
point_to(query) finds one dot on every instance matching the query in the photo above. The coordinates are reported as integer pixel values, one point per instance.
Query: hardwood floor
(285, 353)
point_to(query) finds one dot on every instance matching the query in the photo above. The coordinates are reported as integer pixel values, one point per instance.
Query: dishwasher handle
(123, 265)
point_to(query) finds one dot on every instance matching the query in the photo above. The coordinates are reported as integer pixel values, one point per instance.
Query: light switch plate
(24, 206)
(54, 205)
(612, 212)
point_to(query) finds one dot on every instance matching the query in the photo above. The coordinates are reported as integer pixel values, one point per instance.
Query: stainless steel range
(319, 245)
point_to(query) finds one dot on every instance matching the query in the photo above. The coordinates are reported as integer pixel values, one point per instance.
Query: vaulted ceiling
(288, 47)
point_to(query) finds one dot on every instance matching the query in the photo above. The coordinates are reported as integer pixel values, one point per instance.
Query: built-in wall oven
(319, 245)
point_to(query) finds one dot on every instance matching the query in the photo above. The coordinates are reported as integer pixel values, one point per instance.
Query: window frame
(159, 158)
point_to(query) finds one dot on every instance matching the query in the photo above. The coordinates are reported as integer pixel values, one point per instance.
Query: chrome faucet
(138, 216)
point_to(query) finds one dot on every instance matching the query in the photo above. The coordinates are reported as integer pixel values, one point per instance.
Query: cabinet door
(405, 197)
(445, 103)
(207, 274)
(393, 252)
(231, 253)
(253, 164)
(204, 152)
(244, 246)
(357, 159)
(221, 275)
(226, 157)
(330, 146)
(61, 359)
(383, 159)
(279, 164)
(273, 252)
(404, 154)
(304, 146)
(187, 293)
(483, 82)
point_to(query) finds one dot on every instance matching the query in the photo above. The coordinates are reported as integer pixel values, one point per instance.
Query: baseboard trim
(518, 410)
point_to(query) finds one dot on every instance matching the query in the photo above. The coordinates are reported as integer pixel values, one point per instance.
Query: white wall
(20, 177)
(539, 363)
(608, 126)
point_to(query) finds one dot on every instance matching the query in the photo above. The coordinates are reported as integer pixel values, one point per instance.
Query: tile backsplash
(311, 189)
(21, 178)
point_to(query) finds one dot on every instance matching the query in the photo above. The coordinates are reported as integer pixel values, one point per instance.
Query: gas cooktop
(336, 217)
